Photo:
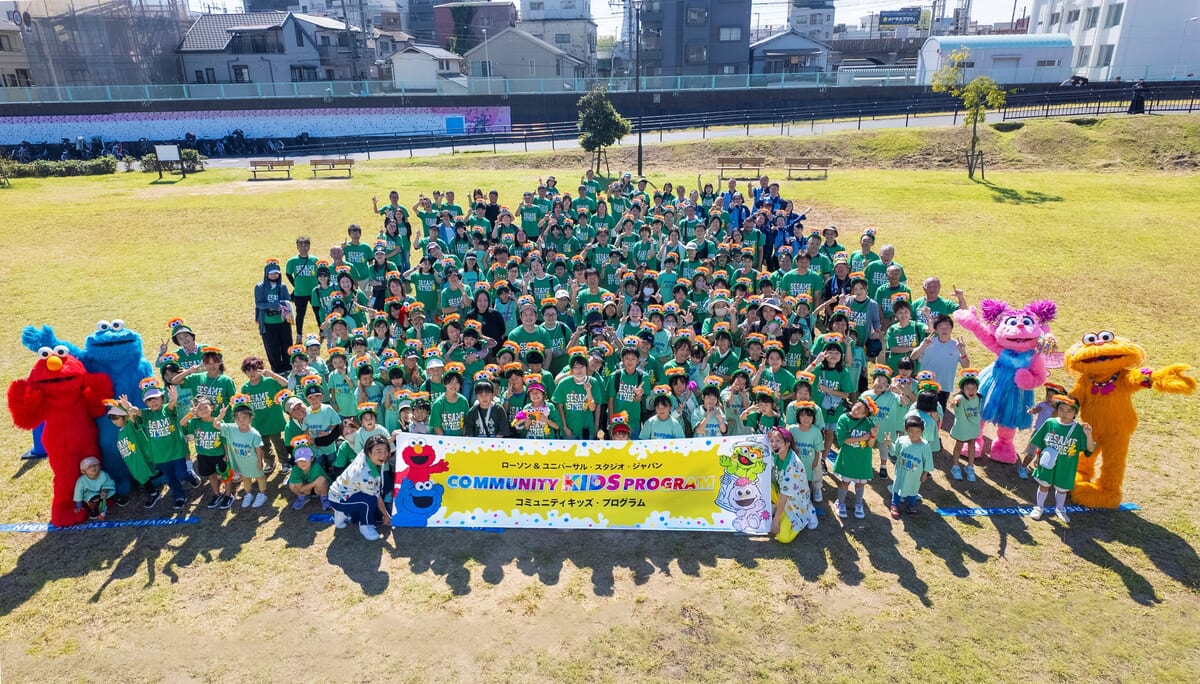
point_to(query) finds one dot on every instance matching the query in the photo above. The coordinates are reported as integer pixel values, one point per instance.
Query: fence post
(1047, 111)
(493, 143)
(907, 112)
(860, 119)
(1191, 100)
(955, 123)
(747, 125)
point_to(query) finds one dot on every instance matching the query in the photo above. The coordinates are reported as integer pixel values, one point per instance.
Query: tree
(981, 94)
(600, 125)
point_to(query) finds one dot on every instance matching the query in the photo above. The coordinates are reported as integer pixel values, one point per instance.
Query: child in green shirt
(914, 463)
(164, 443)
(307, 479)
(967, 422)
(1060, 442)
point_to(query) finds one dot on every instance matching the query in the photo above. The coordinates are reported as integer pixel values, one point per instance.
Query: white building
(565, 24)
(426, 68)
(812, 18)
(14, 60)
(1007, 59)
(1129, 39)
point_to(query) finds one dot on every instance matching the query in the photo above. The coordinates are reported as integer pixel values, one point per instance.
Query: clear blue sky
(774, 12)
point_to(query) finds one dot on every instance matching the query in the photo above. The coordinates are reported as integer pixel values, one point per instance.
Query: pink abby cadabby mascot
(1018, 338)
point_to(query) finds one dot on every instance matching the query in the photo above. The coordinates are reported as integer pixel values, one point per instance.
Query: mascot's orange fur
(1108, 372)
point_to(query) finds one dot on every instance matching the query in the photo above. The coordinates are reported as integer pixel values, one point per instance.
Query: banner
(909, 16)
(708, 484)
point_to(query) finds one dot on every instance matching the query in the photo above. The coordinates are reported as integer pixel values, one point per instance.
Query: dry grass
(266, 594)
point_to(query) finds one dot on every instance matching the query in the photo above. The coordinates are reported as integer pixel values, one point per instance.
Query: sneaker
(1036, 513)
(214, 501)
(196, 481)
(92, 515)
(817, 496)
(259, 500)
(895, 511)
(831, 456)
(226, 501)
(152, 498)
(812, 524)
(882, 473)
(247, 500)
(122, 501)
(1023, 472)
(368, 532)
(956, 472)
(180, 503)
(285, 468)
(841, 510)
(970, 473)
(1061, 514)
(339, 520)
(859, 512)
(301, 501)
(325, 503)
(268, 468)
(913, 510)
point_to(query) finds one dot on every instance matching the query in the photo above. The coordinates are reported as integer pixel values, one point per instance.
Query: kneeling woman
(357, 494)
(790, 491)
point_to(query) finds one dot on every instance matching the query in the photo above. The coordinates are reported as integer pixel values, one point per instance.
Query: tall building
(566, 24)
(460, 26)
(812, 18)
(418, 19)
(689, 38)
(14, 61)
(1126, 39)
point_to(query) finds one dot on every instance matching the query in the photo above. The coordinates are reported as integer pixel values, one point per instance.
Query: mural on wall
(328, 122)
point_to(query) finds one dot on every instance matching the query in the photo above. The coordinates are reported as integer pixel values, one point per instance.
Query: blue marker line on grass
(97, 525)
(328, 518)
(1023, 510)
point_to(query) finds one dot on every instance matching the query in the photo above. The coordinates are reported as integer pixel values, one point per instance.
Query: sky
(774, 12)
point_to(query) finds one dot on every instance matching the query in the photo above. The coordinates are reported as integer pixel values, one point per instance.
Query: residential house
(789, 52)
(694, 37)
(515, 54)
(14, 61)
(567, 24)
(426, 67)
(812, 18)
(273, 47)
(460, 26)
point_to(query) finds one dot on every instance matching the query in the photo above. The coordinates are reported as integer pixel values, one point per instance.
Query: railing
(1169, 98)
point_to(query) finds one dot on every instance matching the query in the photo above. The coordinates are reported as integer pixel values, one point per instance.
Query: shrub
(44, 168)
(192, 160)
(1008, 126)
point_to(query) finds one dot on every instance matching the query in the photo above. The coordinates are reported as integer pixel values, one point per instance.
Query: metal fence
(1069, 103)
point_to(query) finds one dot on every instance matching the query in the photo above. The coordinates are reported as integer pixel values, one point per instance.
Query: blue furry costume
(115, 351)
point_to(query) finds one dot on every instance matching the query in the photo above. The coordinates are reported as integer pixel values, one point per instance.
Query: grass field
(1112, 597)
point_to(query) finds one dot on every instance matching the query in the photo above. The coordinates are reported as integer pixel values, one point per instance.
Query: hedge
(42, 168)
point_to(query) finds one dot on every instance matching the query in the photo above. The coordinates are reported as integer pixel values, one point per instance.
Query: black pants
(301, 306)
(277, 337)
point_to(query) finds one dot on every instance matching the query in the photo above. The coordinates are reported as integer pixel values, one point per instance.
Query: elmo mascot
(62, 394)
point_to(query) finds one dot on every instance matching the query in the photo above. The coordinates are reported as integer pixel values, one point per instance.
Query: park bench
(258, 166)
(737, 165)
(346, 165)
(809, 165)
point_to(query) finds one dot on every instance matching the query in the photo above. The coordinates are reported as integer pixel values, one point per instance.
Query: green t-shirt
(1068, 443)
(523, 337)
(455, 299)
(218, 390)
(163, 439)
(542, 287)
(656, 428)
(876, 273)
(359, 258)
(860, 261)
(298, 476)
(131, 444)
(320, 421)
(967, 421)
(586, 297)
(622, 388)
(242, 448)
(890, 418)
(940, 307)
(530, 215)
(425, 290)
(853, 461)
(883, 295)
(206, 437)
(268, 415)
(341, 392)
(809, 446)
(782, 381)
(303, 271)
(449, 415)
(572, 398)
(902, 336)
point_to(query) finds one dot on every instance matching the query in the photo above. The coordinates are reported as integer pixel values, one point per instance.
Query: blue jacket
(268, 296)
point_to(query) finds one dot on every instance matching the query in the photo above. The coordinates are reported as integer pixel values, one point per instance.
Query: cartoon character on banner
(67, 399)
(1108, 371)
(416, 497)
(753, 516)
(116, 351)
(421, 461)
(746, 460)
(1020, 339)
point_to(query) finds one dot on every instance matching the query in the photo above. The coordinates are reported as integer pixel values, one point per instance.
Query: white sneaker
(817, 496)
(369, 532)
(339, 519)
(1036, 513)
(841, 510)
(812, 524)
(970, 473)
(259, 500)
(859, 512)
(956, 472)
(247, 500)
(1061, 514)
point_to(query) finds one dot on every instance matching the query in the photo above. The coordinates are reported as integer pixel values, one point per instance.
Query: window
(210, 75)
(562, 38)
(10, 80)
(730, 33)
(801, 19)
(558, 67)
(299, 35)
(303, 73)
(817, 19)
(24, 78)
(5, 43)
(241, 73)
(1055, 17)
(728, 68)
(696, 54)
(485, 22)
(1048, 62)
(568, 4)
(325, 41)
(1104, 55)
(1072, 16)
(1091, 18)
(537, 6)
(532, 68)
(199, 76)
(483, 68)
(1083, 54)
(697, 16)
(1113, 17)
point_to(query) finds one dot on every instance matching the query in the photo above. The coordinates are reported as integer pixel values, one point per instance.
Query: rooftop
(1017, 40)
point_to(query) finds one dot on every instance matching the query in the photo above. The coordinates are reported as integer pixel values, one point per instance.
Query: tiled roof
(211, 33)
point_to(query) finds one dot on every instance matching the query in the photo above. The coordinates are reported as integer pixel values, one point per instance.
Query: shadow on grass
(1013, 196)
(26, 465)
(165, 181)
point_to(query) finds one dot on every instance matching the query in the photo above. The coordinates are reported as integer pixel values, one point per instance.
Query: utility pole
(637, 74)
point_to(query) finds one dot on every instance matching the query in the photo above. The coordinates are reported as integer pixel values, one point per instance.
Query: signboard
(720, 484)
(167, 152)
(907, 17)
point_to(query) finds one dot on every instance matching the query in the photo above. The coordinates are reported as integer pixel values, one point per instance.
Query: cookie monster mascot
(116, 351)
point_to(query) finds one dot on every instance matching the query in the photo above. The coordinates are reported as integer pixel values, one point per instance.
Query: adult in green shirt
(425, 283)
(876, 271)
(450, 409)
(528, 331)
(628, 388)
(301, 272)
(358, 254)
(903, 336)
(932, 305)
(575, 398)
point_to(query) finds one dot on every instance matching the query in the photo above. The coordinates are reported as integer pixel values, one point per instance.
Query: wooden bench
(737, 164)
(808, 164)
(346, 165)
(258, 166)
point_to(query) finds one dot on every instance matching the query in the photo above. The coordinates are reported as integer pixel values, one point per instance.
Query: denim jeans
(176, 473)
(907, 501)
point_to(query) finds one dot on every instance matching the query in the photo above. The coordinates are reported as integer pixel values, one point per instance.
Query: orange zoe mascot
(1108, 371)
(68, 399)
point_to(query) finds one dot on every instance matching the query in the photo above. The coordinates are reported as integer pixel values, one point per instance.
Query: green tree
(600, 125)
(981, 94)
